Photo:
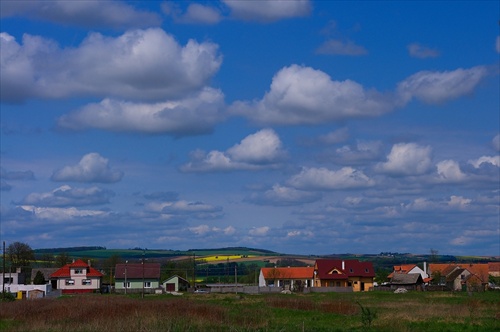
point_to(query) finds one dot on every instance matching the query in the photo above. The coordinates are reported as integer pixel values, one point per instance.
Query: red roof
(288, 272)
(338, 269)
(134, 271)
(64, 272)
(405, 268)
(480, 269)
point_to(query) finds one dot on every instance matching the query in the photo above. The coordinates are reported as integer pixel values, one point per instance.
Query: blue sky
(306, 127)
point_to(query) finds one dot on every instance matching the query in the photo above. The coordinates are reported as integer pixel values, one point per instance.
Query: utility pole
(143, 253)
(236, 278)
(194, 270)
(3, 272)
(126, 277)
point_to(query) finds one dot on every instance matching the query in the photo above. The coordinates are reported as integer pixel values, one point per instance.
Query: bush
(7, 297)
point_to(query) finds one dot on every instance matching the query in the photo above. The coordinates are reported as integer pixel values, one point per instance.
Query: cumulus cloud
(303, 95)
(195, 13)
(496, 142)
(66, 196)
(334, 137)
(268, 10)
(185, 209)
(407, 159)
(89, 14)
(193, 115)
(280, 195)
(91, 168)
(493, 160)
(419, 51)
(325, 179)
(358, 153)
(338, 47)
(259, 231)
(256, 151)
(449, 171)
(138, 65)
(438, 87)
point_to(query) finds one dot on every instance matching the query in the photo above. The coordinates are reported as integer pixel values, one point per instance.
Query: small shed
(175, 284)
(410, 281)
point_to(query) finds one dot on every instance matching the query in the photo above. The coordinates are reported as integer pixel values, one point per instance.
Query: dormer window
(78, 271)
(350, 270)
(366, 270)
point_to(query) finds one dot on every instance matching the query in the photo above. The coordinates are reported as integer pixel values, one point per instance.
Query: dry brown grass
(110, 313)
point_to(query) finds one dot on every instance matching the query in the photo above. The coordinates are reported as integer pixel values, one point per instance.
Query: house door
(171, 287)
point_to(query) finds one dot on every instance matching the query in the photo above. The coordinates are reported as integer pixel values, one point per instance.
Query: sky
(302, 127)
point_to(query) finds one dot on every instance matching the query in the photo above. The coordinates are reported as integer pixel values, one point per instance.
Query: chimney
(88, 262)
(343, 265)
(425, 269)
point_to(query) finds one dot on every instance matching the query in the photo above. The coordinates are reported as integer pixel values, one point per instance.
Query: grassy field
(374, 311)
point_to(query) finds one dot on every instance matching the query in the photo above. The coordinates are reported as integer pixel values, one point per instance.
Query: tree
(39, 278)
(20, 254)
(62, 259)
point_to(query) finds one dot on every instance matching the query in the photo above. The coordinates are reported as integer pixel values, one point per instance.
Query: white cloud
(280, 195)
(449, 170)
(195, 13)
(334, 137)
(193, 115)
(200, 230)
(459, 201)
(262, 147)
(419, 51)
(61, 214)
(91, 168)
(268, 10)
(114, 14)
(325, 179)
(257, 151)
(493, 160)
(496, 142)
(65, 196)
(338, 47)
(407, 159)
(302, 95)
(437, 87)
(138, 65)
(360, 152)
(259, 231)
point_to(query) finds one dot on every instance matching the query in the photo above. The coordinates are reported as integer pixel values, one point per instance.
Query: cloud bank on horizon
(301, 126)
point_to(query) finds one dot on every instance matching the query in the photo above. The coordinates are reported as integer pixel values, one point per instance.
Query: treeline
(68, 249)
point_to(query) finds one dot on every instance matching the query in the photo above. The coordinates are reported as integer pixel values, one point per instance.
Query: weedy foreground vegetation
(373, 311)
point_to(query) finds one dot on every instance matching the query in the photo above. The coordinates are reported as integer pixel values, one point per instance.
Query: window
(126, 285)
(78, 271)
(147, 284)
(350, 270)
(86, 282)
(366, 270)
(70, 282)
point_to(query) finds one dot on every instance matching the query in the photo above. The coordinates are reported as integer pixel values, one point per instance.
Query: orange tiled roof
(480, 270)
(288, 272)
(494, 266)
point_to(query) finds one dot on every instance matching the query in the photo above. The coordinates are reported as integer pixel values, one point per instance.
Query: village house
(352, 274)
(137, 277)
(175, 284)
(461, 276)
(408, 269)
(77, 277)
(290, 278)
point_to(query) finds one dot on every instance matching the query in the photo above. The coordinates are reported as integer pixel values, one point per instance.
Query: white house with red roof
(291, 277)
(77, 277)
(349, 273)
